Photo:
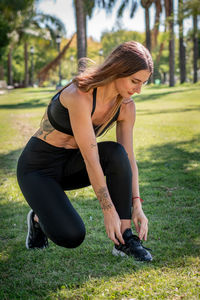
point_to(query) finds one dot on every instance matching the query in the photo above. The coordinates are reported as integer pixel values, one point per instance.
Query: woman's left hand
(141, 223)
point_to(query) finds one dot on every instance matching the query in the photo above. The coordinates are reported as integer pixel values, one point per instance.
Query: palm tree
(84, 9)
(4, 41)
(9, 12)
(132, 6)
(81, 29)
(170, 19)
(195, 9)
(146, 5)
(43, 74)
(36, 25)
(158, 8)
(195, 48)
(181, 43)
(192, 8)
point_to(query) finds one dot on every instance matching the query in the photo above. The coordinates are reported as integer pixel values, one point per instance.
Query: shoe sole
(28, 223)
(116, 252)
(27, 237)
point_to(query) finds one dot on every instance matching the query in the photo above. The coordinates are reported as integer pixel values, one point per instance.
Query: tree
(146, 5)
(43, 74)
(9, 12)
(84, 9)
(192, 8)
(195, 48)
(158, 8)
(81, 29)
(13, 36)
(170, 20)
(33, 24)
(132, 6)
(112, 39)
(182, 60)
(4, 40)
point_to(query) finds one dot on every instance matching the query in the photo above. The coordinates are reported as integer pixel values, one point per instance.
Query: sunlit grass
(166, 143)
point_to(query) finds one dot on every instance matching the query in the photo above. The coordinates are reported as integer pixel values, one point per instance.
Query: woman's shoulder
(127, 109)
(72, 95)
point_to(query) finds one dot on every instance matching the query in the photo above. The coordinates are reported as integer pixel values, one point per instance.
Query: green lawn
(167, 147)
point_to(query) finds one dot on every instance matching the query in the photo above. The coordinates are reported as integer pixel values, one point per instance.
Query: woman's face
(127, 86)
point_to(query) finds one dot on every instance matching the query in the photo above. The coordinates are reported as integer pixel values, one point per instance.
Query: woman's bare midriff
(58, 139)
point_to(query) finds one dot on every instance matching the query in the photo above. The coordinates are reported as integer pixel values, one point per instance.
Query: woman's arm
(80, 117)
(125, 127)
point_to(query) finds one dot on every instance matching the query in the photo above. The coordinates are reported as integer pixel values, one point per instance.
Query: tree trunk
(157, 22)
(10, 77)
(26, 75)
(1, 72)
(164, 77)
(161, 48)
(43, 74)
(85, 29)
(81, 29)
(171, 45)
(181, 45)
(182, 61)
(148, 32)
(195, 48)
(159, 53)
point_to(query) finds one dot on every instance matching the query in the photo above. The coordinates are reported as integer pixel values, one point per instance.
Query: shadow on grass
(142, 112)
(29, 104)
(8, 161)
(170, 179)
(30, 90)
(155, 96)
(42, 91)
(173, 163)
(171, 182)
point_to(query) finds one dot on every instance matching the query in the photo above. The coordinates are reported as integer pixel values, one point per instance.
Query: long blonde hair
(125, 60)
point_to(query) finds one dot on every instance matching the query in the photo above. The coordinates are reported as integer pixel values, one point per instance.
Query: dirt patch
(23, 125)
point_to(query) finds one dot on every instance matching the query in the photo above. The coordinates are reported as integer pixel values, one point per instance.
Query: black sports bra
(59, 115)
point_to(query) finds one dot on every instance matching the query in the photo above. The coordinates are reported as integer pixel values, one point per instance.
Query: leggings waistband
(37, 144)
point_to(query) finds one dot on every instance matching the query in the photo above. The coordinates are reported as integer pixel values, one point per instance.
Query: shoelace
(139, 242)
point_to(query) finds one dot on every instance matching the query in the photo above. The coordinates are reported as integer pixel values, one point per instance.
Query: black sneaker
(35, 236)
(132, 247)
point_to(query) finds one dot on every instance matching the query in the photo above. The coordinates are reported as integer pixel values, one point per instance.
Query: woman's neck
(106, 93)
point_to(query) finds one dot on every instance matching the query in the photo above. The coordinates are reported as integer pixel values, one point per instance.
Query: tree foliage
(10, 11)
(112, 39)
(4, 30)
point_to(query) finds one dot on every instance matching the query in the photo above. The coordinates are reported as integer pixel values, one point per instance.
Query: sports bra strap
(94, 100)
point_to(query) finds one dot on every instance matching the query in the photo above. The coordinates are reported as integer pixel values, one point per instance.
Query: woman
(64, 155)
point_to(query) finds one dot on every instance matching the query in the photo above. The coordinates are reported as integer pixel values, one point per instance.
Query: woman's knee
(115, 155)
(69, 238)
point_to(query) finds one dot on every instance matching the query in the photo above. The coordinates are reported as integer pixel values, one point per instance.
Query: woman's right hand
(113, 225)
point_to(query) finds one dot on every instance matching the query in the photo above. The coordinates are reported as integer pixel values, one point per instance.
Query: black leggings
(44, 172)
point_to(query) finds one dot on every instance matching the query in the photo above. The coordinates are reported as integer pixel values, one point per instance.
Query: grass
(166, 142)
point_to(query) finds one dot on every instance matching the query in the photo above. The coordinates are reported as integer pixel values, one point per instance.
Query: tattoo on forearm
(103, 197)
